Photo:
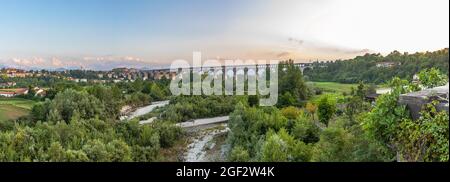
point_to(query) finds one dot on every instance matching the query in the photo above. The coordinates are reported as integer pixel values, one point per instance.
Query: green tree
(306, 130)
(69, 102)
(96, 151)
(119, 151)
(426, 139)
(335, 145)
(76, 156)
(56, 152)
(291, 112)
(239, 154)
(430, 78)
(287, 99)
(291, 80)
(326, 109)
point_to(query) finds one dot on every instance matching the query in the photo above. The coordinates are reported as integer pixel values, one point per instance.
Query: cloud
(296, 41)
(342, 50)
(283, 54)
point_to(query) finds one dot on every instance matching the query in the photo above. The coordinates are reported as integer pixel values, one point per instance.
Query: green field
(333, 87)
(13, 108)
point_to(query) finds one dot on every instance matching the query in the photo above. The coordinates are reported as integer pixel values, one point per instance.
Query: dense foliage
(80, 123)
(85, 140)
(425, 139)
(361, 132)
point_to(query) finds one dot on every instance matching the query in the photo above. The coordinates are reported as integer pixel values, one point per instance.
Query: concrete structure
(202, 122)
(386, 64)
(158, 74)
(416, 100)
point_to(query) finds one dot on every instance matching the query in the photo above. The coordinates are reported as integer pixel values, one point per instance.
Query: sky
(101, 34)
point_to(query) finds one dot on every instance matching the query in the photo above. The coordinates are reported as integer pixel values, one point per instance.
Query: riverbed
(144, 110)
(208, 145)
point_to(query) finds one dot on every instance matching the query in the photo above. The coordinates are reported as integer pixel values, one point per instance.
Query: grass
(10, 112)
(13, 108)
(333, 87)
(18, 102)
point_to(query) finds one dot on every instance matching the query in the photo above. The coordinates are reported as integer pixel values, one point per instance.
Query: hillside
(376, 68)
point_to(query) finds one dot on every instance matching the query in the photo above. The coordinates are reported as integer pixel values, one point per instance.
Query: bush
(239, 154)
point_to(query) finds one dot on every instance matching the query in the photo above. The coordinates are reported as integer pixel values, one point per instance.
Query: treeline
(364, 68)
(46, 81)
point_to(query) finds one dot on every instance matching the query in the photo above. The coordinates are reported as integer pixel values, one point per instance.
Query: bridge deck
(206, 121)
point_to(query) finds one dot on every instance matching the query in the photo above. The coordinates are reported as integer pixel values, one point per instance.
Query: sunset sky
(99, 34)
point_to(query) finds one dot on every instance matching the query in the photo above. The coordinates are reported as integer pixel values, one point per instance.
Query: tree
(274, 149)
(40, 110)
(311, 108)
(239, 154)
(111, 98)
(156, 92)
(306, 130)
(430, 78)
(138, 99)
(168, 133)
(96, 151)
(253, 100)
(364, 68)
(291, 80)
(382, 122)
(138, 85)
(287, 99)
(119, 151)
(76, 156)
(326, 109)
(282, 147)
(335, 145)
(360, 91)
(69, 102)
(290, 112)
(56, 152)
(426, 139)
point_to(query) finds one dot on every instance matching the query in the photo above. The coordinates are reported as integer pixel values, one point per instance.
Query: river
(207, 136)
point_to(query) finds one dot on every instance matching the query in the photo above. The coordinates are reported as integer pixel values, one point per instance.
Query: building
(39, 92)
(7, 84)
(13, 92)
(387, 64)
(13, 73)
(7, 94)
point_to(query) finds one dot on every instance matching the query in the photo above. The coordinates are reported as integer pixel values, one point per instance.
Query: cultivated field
(13, 108)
